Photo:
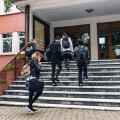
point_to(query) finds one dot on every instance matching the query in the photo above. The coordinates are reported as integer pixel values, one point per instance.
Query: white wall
(93, 29)
(13, 9)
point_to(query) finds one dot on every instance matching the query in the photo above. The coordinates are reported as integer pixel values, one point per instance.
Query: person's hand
(39, 62)
(88, 65)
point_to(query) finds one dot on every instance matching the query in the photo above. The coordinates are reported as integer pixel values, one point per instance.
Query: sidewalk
(21, 113)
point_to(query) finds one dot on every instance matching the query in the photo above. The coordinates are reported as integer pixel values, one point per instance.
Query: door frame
(79, 32)
(109, 29)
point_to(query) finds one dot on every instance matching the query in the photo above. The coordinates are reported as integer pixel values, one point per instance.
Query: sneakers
(80, 84)
(31, 110)
(85, 78)
(54, 84)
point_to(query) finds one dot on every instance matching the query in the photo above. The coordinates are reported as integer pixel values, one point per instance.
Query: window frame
(23, 52)
(10, 38)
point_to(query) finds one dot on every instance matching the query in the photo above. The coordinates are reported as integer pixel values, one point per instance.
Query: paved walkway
(21, 113)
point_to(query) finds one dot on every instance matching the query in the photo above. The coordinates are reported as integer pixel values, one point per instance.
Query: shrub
(1, 81)
(20, 57)
(10, 67)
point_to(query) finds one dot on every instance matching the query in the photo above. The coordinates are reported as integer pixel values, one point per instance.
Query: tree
(8, 5)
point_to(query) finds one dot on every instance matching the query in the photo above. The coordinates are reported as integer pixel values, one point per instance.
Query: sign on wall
(39, 36)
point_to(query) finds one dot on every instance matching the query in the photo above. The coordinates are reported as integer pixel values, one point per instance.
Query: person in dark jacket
(31, 49)
(35, 67)
(56, 58)
(81, 64)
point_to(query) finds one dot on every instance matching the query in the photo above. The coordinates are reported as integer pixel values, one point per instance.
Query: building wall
(93, 29)
(10, 22)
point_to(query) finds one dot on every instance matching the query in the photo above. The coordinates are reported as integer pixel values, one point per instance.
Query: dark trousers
(67, 55)
(59, 64)
(80, 68)
(33, 99)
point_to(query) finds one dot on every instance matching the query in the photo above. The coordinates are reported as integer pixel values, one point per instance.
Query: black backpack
(81, 54)
(47, 54)
(65, 43)
(29, 51)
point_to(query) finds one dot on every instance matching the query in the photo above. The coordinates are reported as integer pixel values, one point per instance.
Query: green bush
(10, 67)
(20, 57)
(1, 81)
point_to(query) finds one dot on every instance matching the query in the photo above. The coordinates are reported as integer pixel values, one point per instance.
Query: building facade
(12, 32)
(97, 22)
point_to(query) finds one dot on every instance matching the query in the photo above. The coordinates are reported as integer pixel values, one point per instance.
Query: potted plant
(1, 81)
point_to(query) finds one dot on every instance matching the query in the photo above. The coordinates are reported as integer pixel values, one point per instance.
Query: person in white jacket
(67, 48)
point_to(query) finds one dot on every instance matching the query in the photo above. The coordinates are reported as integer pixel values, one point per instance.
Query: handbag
(34, 84)
(26, 70)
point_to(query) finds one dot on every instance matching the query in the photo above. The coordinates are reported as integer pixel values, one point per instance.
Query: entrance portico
(60, 14)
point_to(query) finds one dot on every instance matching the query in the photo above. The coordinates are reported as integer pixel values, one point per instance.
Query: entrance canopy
(57, 10)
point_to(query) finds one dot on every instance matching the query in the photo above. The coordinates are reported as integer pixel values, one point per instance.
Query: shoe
(35, 111)
(30, 109)
(80, 84)
(54, 84)
(85, 78)
(56, 79)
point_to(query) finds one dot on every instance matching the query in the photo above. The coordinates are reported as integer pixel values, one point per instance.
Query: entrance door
(109, 40)
(115, 37)
(109, 44)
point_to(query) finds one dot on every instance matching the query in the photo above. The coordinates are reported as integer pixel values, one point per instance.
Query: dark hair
(58, 38)
(80, 41)
(64, 33)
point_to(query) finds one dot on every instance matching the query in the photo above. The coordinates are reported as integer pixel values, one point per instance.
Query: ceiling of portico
(54, 10)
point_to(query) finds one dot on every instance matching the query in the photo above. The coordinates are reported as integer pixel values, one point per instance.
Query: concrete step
(11, 103)
(75, 83)
(75, 78)
(92, 61)
(69, 94)
(64, 100)
(101, 73)
(91, 65)
(90, 69)
(72, 88)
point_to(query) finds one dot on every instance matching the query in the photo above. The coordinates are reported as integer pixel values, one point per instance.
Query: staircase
(100, 91)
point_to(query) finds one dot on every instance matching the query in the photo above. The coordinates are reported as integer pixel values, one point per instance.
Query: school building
(95, 21)
(12, 32)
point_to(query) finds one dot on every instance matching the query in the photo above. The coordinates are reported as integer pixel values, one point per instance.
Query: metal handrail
(15, 56)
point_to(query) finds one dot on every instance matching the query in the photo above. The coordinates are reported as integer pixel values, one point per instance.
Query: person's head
(80, 42)
(37, 55)
(65, 35)
(58, 38)
(33, 40)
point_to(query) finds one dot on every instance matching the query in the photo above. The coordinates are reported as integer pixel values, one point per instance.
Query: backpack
(26, 70)
(81, 54)
(47, 54)
(29, 51)
(65, 43)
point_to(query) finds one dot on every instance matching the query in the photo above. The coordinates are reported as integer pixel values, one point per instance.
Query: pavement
(21, 113)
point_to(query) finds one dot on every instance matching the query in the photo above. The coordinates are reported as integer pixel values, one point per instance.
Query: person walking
(81, 56)
(31, 48)
(35, 67)
(67, 48)
(56, 58)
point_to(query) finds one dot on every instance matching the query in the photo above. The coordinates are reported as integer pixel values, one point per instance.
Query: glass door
(74, 38)
(104, 45)
(115, 39)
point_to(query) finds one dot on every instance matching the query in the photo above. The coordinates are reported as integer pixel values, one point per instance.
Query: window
(84, 28)
(21, 40)
(7, 43)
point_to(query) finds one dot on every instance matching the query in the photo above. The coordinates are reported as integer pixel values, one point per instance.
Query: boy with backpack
(31, 48)
(67, 48)
(55, 58)
(81, 56)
